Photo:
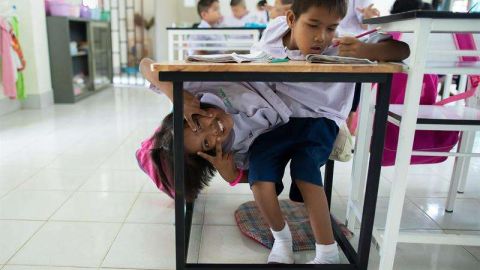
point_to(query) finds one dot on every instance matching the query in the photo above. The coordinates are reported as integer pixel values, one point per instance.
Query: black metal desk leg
(180, 239)
(374, 168)
(329, 167)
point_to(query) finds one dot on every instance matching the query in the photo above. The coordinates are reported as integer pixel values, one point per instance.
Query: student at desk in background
(242, 16)
(209, 12)
(262, 8)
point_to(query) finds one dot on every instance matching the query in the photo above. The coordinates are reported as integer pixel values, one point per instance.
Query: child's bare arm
(152, 77)
(191, 105)
(384, 51)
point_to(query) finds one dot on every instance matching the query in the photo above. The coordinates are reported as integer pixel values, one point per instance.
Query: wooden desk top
(291, 67)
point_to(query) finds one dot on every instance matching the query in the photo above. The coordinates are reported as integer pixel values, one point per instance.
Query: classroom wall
(33, 38)
(165, 15)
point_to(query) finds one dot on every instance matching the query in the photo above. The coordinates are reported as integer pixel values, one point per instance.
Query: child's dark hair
(197, 171)
(287, 2)
(408, 5)
(302, 6)
(262, 3)
(204, 5)
(234, 3)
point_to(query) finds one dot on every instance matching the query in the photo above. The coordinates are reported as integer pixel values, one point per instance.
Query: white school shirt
(329, 100)
(220, 38)
(316, 100)
(254, 112)
(250, 17)
(351, 24)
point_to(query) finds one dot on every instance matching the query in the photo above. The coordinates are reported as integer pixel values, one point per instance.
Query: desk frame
(183, 210)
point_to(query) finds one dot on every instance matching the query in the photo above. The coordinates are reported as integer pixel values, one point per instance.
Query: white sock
(282, 251)
(326, 254)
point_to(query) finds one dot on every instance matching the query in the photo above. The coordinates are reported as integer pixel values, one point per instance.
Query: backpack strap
(464, 41)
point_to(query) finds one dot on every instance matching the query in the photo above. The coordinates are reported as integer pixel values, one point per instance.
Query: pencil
(362, 34)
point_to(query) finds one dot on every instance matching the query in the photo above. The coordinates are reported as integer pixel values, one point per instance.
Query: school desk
(293, 71)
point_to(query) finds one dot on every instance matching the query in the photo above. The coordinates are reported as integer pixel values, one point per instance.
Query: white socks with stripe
(282, 250)
(326, 254)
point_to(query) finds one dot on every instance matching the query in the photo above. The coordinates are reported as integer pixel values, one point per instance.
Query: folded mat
(251, 224)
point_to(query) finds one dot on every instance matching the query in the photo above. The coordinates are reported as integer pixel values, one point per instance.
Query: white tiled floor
(72, 197)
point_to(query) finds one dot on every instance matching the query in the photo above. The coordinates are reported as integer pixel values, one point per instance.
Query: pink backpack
(426, 140)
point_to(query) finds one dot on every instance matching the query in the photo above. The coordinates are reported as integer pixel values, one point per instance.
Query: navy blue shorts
(306, 142)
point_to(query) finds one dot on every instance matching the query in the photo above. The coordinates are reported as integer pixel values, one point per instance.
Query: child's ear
(290, 19)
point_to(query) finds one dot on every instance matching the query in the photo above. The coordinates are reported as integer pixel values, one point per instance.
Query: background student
(211, 17)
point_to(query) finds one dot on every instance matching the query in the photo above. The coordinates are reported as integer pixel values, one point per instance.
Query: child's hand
(369, 12)
(224, 164)
(191, 106)
(352, 47)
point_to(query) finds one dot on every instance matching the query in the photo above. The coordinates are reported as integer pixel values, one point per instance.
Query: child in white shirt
(242, 16)
(209, 12)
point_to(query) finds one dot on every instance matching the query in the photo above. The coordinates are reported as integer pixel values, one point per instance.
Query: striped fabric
(251, 224)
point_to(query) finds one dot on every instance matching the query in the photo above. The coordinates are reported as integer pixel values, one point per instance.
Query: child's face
(213, 15)
(212, 130)
(313, 32)
(239, 11)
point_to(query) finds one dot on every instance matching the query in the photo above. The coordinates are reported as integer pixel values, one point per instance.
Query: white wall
(165, 15)
(33, 39)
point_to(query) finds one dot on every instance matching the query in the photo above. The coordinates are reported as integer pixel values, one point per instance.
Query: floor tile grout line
(43, 225)
(201, 227)
(468, 251)
(25, 243)
(425, 213)
(120, 229)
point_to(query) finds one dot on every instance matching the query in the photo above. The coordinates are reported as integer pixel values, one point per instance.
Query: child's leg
(309, 155)
(267, 201)
(317, 207)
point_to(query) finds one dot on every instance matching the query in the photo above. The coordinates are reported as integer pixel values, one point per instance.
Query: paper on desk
(330, 59)
(231, 58)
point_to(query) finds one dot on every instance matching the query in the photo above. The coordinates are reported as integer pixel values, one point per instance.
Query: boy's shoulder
(276, 28)
(271, 41)
(204, 24)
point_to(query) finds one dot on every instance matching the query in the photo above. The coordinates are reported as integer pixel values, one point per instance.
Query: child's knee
(263, 186)
(305, 185)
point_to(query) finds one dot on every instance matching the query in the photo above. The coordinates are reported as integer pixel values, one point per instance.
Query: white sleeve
(361, 4)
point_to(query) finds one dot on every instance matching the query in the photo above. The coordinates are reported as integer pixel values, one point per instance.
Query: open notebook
(330, 59)
(231, 58)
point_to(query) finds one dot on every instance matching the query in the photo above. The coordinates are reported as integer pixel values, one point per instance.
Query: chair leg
(454, 181)
(460, 169)
(466, 165)
(360, 157)
(446, 86)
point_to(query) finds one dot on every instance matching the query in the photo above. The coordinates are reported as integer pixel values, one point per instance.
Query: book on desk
(261, 57)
